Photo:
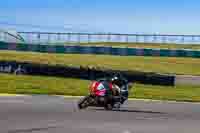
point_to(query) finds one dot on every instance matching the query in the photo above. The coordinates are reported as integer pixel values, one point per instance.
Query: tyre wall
(83, 72)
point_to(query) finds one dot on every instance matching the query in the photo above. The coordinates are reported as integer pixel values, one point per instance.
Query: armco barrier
(77, 49)
(83, 72)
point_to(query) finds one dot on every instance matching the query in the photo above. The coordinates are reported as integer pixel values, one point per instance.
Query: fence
(77, 38)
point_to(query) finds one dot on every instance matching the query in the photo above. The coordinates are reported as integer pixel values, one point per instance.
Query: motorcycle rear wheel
(108, 107)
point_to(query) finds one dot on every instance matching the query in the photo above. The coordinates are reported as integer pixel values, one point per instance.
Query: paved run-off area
(55, 114)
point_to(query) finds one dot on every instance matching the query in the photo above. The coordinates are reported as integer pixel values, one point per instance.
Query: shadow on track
(130, 111)
(31, 130)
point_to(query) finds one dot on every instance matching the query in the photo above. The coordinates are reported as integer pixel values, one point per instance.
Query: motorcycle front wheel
(85, 102)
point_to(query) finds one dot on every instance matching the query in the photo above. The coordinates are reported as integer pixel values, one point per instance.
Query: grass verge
(11, 84)
(169, 65)
(134, 45)
(144, 45)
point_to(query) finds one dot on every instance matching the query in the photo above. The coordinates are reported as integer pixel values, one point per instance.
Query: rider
(120, 87)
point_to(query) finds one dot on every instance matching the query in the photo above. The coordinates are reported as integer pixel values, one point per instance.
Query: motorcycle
(95, 100)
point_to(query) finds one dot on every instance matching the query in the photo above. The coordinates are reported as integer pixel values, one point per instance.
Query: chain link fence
(77, 38)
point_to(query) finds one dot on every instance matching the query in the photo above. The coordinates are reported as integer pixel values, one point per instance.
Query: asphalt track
(44, 114)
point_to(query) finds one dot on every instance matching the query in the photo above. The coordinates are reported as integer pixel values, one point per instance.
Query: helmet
(119, 80)
(115, 79)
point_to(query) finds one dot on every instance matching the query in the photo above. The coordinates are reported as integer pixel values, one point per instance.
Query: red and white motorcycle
(97, 97)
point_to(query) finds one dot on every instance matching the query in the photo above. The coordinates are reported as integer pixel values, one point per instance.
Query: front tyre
(84, 102)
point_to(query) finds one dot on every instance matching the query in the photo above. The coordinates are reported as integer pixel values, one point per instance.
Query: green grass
(134, 45)
(12, 84)
(168, 65)
(61, 86)
(144, 45)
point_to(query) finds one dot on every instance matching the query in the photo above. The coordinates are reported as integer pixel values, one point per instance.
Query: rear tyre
(108, 107)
